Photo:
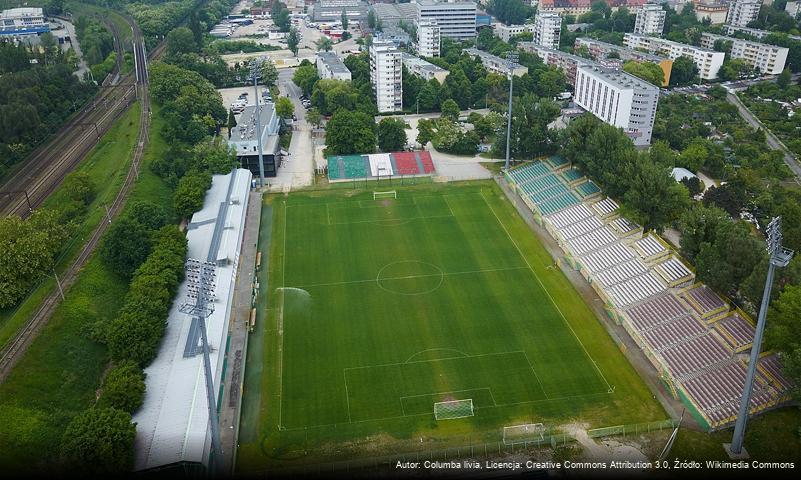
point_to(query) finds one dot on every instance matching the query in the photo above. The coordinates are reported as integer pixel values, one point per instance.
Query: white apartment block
(650, 20)
(386, 69)
(730, 29)
(619, 99)
(456, 20)
(793, 9)
(506, 32)
(330, 66)
(496, 64)
(766, 58)
(428, 39)
(715, 12)
(708, 61)
(547, 28)
(423, 69)
(743, 12)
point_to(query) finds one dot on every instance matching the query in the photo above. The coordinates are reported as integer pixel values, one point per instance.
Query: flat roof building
(650, 20)
(386, 72)
(566, 61)
(496, 64)
(391, 14)
(456, 20)
(547, 29)
(244, 140)
(708, 61)
(23, 21)
(506, 32)
(766, 58)
(428, 38)
(754, 32)
(172, 426)
(619, 99)
(423, 69)
(326, 12)
(743, 12)
(330, 66)
(600, 51)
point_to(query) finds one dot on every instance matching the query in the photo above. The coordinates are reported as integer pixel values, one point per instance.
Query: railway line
(14, 350)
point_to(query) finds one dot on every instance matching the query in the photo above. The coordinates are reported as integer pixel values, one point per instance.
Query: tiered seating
(571, 175)
(556, 162)
(624, 226)
(606, 257)
(719, 391)
(771, 369)
(580, 228)
(635, 289)
(736, 330)
(540, 184)
(592, 241)
(425, 158)
(587, 189)
(694, 355)
(605, 207)
(673, 271)
(649, 247)
(569, 216)
(549, 193)
(556, 204)
(405, 163)
(655, 311)
(529, 172)
(620, 272)
(674, 332)
(705, 301)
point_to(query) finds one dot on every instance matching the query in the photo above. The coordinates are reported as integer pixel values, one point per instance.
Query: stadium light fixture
(255, 73)
(511, 61)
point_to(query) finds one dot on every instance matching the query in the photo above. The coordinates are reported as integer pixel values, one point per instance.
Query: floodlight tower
(255, 72)
(511, 61)
(779, 257)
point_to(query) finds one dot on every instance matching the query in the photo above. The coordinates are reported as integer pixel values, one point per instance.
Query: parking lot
(229, 95)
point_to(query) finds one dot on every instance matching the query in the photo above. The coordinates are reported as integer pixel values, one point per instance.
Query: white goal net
(453, 409)
(530, 432)
(389, 194)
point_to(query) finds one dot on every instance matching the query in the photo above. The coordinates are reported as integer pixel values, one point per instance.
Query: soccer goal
(388, 194)
(517, 434)
(453, 409)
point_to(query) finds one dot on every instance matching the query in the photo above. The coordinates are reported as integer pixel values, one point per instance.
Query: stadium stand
(379, 165)
(572, 176)
(705, 301)
(737, 331)
(624, 227)
(588, 189)
(674, 272)
(605, 207)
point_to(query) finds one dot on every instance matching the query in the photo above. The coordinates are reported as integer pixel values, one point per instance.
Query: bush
(80, 187)
(190, 192)
(99, 441)
(123, 388)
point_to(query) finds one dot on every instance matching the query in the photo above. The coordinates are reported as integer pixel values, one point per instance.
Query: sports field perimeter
(378, 309)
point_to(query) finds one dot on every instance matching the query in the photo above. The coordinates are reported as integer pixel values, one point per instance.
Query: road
(297, 170)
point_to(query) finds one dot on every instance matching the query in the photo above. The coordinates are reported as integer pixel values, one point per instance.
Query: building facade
(243, 138)
(19, 22)
(547, 29)
(766, 58)
(569, 63)
(601, 51)
(423, 69)
(619, 99)
(743, 12)
(754, 32)
(428, 38)
(715, 12)
(330, 66)
(386, 68)
(355, 10)
(708, 61)
(506, 32)
(650, 20)
(456, 20)
(496, 64)
(793, 9)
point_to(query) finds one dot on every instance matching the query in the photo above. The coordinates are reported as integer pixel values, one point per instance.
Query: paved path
(297, 170)
(238, 335)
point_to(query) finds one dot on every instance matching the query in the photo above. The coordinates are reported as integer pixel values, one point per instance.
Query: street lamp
(511, 61)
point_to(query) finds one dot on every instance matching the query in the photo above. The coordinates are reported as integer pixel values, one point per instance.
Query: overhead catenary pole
(779, 257)
(511, 60)
(254, 71)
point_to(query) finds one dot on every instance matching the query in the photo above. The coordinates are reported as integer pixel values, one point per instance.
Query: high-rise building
(707, 60)
(602, 51)
(743, 12)
(386, 69)
(766, 58)
(456, 20)
(619, 99)
(547, 28)
(428, 38)
(650, 20)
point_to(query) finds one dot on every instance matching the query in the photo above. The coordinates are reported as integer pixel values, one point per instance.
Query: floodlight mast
(511, 60)
(779, 257)
(255, 73)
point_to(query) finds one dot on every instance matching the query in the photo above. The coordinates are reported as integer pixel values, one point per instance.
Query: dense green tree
(654, 196)
(99, 442)
(510, 12)
(330, 95)
(699, 225)
(80, 187)
(683, 71)
(313, 117)
(179, 41)
(350, 132)
(126, 245)
(123, 388)
(305, 77)
(151, 215)
(190, 192)
(450, 110)
(730, 258)
(284, 107)
(324, 44)
(269, 74)
(783, 80)
(292, 41)
(391, 134)
(343, 18)
(425, 131)
(427, 99)
(650, 72)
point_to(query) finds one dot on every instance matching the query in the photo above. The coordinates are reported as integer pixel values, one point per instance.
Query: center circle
(410, 277)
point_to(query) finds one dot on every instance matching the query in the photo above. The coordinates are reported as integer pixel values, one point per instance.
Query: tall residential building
(650, 20)
(793, 9)
(714, 12)
(330, 66)
(456, 20)
(743, 12)
(428, 38)
(386, 67)
(708, 61)
(619, 99)
(766, 58)
(547, 27)
(760, 34)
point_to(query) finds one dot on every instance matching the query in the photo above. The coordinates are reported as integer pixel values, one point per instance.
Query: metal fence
(634, 429)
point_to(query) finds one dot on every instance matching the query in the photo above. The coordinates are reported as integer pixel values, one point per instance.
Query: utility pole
(27, 198)
(58, 282)
(779, 257)
(254, 72)
(511, 61)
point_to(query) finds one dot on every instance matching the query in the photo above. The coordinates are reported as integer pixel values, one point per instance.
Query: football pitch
(378, 309)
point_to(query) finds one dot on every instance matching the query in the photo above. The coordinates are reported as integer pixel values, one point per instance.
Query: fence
(634, 429)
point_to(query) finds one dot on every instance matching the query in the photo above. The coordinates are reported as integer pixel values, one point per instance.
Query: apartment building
(754, 32)
(386, 75)
(423, 69)
(428, 38)
(330, 66)
(547, 28)
(766, 58)
(619, 99)
(708, 61)
(650, 20)
(506, 32)
(715, 12)
(569, 63)
(496, 64)
(602, 51)
(743, 12)
(456, 20)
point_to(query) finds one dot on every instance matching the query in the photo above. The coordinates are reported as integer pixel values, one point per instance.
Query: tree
(123, 388)
(125, 246)
(350, 132)
(650, 72)
(324, 44)
(305, 77)
(372, 21)
(231, 122)
(313, 117)
(730, 258)
(292, 41)
(284, 107)
(654, 196)
(269, 74)
(391, 134)
(151, 215)
(683, 71)
(344, 20)
(698, 225)
(80, 187)
(694, 156)
(425, 131)
(450, 110)
(783, 80)
(179, 41)
(98, 442)
(190, 192)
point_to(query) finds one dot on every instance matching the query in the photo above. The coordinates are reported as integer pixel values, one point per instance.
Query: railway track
(14, 350)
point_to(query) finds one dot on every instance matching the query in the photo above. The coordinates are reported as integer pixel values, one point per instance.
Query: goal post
(529, 432)
(453, 409)
(387, 194)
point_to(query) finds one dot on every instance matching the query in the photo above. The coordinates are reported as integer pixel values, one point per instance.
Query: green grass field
(378, 309)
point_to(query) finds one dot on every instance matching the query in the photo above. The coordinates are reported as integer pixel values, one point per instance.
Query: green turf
(377, 309)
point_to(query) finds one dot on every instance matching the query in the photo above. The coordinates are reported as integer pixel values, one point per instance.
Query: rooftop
(422, 64)
(670, 42)
(333, 62)
(735, 39)
(619, 78)
(245, 130)
(21, 12)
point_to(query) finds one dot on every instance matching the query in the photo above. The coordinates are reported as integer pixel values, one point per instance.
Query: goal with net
(453, 409)
(388, 194)
(530, 432)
